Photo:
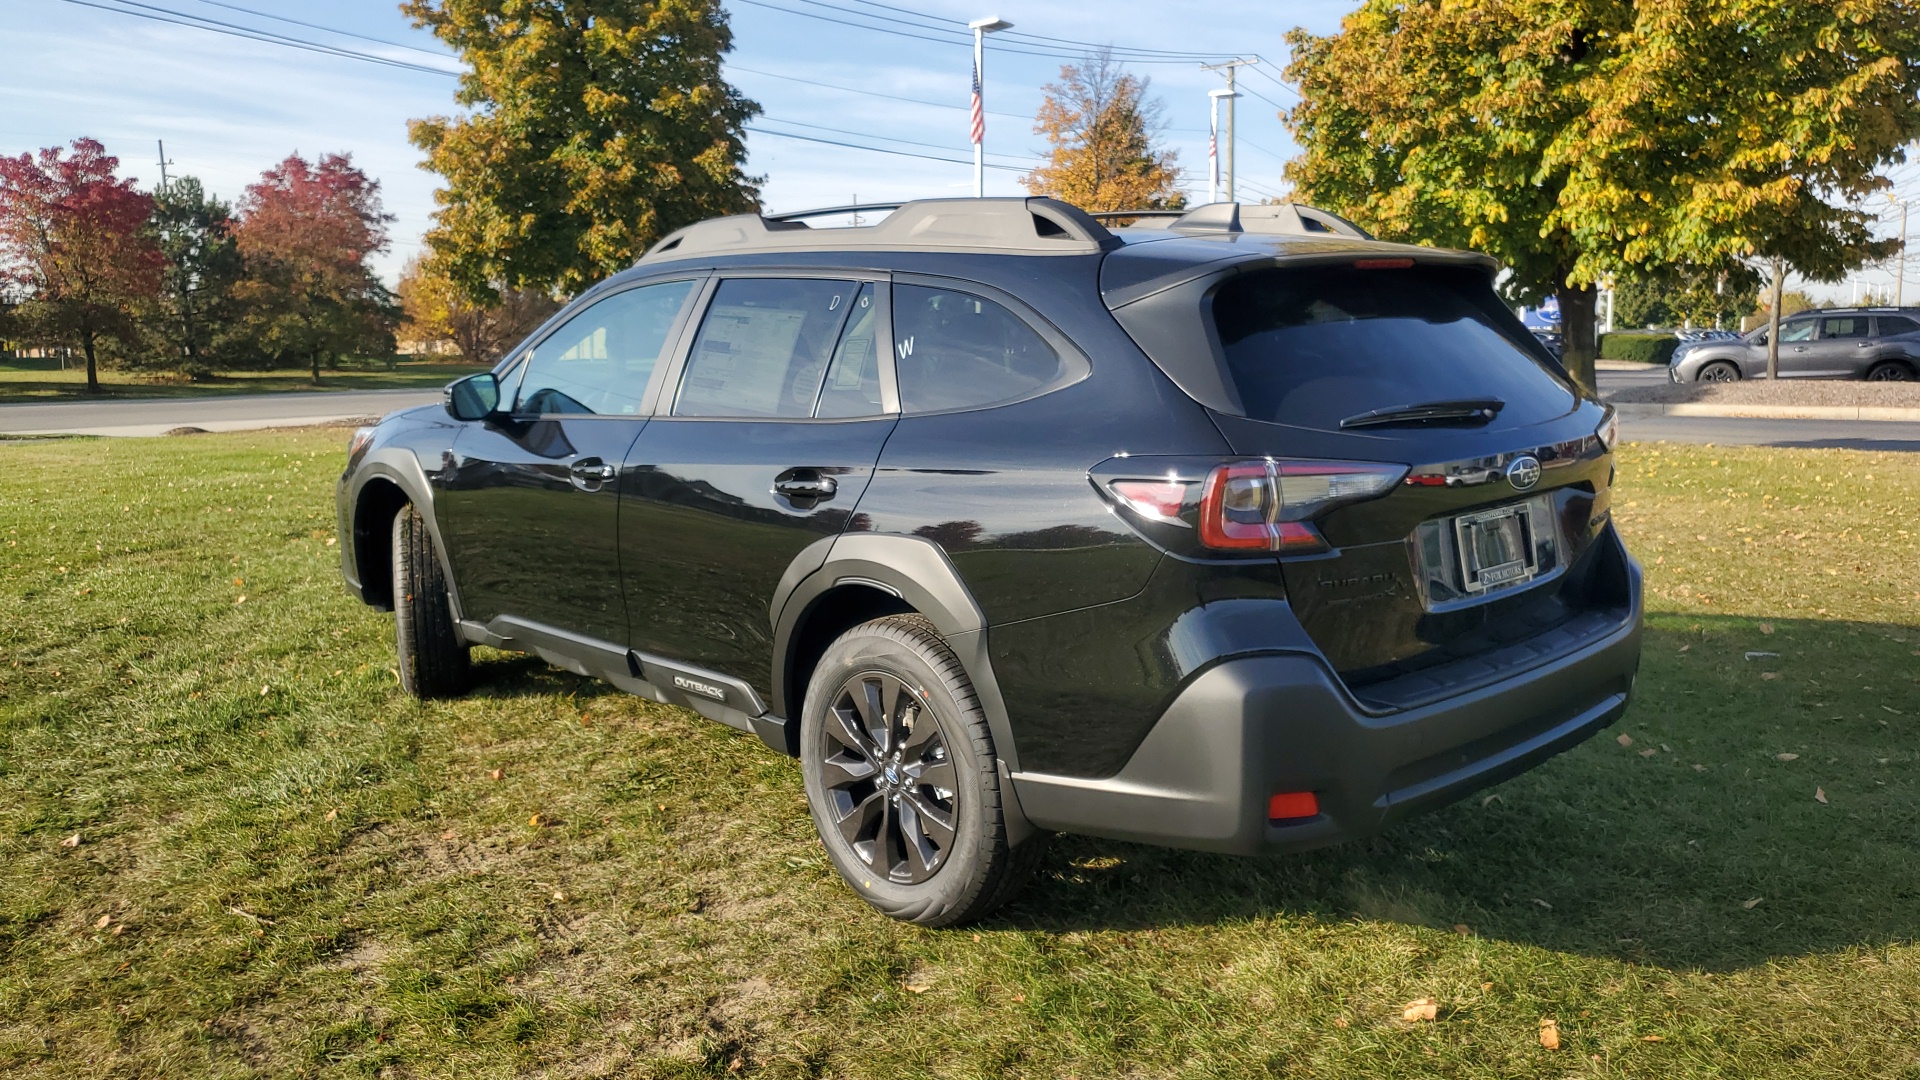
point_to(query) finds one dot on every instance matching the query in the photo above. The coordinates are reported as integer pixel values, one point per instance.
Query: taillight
(1265, 505)
(1609, 431)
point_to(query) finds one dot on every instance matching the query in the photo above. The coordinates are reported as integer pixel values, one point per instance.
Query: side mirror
(475, 397)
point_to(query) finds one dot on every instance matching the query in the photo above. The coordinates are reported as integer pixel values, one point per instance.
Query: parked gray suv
(1880, 344)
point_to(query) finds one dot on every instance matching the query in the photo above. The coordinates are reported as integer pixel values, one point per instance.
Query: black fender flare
(400, 467)
(916, 570)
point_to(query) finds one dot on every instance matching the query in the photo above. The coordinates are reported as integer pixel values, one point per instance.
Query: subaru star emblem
(1524, 472)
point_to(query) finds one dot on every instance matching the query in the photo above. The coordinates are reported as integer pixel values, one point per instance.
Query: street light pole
(981, 28)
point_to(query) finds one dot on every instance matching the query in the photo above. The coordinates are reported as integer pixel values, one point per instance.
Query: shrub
(1631, 345)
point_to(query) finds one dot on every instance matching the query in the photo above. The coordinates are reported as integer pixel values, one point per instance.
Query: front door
(1797, 343)
(764, 443)
(529, 509)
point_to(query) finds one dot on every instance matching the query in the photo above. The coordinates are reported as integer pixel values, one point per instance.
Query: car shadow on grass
(1704, 843)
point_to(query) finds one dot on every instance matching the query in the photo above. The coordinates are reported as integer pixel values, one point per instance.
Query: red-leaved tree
(74, 244)
(306, 233)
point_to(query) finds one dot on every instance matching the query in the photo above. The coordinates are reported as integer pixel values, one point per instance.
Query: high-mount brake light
(1264, 505)
(1383, 264)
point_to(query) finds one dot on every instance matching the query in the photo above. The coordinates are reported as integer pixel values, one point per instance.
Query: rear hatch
(1487, 544)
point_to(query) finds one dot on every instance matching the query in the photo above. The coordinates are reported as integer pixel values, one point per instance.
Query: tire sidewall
(860, 651)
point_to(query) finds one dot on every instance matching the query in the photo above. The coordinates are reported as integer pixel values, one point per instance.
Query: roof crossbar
(1030, 226)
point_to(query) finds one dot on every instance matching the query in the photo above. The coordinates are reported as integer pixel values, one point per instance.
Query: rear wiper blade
(1477, 411)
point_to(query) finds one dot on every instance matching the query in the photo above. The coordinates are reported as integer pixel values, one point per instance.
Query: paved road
(236, 412)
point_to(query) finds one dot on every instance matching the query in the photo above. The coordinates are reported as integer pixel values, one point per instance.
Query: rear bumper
(1247, 728)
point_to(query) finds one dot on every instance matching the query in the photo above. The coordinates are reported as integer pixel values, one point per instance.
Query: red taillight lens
(1293, 805)
(1255, 506)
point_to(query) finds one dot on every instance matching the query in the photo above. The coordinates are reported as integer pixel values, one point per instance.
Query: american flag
(979, 117)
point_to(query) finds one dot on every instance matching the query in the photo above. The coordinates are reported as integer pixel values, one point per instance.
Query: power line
(881, 150)
(264, 36)
(882, 138)
(328, 29)
(870, 93)
(1277, 81)
(1000, 49)
(1181, 54)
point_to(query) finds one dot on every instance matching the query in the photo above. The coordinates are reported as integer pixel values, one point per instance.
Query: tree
(73, 240)
(1101, 126)
(1577, 138)
(595, 128)
(1689, 295)
(195, 233)
(434, 309)
(306, 232)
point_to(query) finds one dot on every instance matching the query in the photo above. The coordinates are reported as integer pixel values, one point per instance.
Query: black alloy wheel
(1890, 371)
(1718, 371)
(889, 781)
(902, 780)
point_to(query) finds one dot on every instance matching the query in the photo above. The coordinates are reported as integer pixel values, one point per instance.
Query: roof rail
(1266, 219)
(1030, 226)
(1104, 216)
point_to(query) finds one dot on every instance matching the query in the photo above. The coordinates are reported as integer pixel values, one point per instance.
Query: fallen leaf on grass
(538, 821)
(1653, 1038)
(917, 988)
(1543, 903)
(241, 600)
(1753, 903)
(1766, 628)
(1550, 1033)
(1757, 655)
(1490, 800)
(448, 835)
(1686, 647)
(1769, 675)
(560, 896)
(1624, 739)
(1340, 1021)
(1419, 1009)
(265, 690)
(1020, 998)
(103, 922)
(1463, 929)
(71, 841)
(1892, 710)
(493, 774)
(333, 815)
(1820, 796)
(1648, 752)
(736, 1064)
(330, 541)
(1699, 768)
(1786, 757)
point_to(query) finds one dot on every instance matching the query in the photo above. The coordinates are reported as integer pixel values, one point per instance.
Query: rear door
(1843, 346)
(528, 507)
(766, 438)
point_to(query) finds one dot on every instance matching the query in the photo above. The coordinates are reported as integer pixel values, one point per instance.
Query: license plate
(1496, 547)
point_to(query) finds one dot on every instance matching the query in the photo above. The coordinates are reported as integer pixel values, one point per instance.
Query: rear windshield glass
(1312, 347)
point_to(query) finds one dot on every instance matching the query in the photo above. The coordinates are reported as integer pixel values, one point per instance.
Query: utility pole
(162, 143)
(1213, 141)
(981, 28)
(1229, 67)
(1900, 282)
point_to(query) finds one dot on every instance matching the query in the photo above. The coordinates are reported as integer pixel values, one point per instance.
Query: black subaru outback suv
(1247, 533)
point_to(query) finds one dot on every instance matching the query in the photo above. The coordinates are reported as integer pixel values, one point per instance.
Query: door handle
(804, 487)
(591, 469)
(1862, 344)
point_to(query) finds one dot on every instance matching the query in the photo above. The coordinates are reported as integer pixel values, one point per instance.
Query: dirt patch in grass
(1843, 392)
(1680, 905)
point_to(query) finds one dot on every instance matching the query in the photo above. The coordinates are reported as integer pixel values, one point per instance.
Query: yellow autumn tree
(1101, 126)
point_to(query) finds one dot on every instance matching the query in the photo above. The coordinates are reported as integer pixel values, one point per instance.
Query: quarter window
(954, 350)
(599, 361)
(764, 347)
(1897, 324)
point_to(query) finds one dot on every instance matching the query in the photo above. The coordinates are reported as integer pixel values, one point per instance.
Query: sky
(228, 107)
(889, 76)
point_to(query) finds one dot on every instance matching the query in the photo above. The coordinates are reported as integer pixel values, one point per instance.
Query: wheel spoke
(921, 855)
(865, 826)
(845, 770)
(873, 715)
(933, 823)
(922, 737)
(891, 703)
(938, 774)
(845, 729)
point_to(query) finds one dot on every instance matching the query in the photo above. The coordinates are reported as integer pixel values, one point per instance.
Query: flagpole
(1213, 143)
(981, 28)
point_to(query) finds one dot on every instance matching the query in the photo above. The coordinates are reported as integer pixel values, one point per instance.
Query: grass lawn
(29, 380)
(283, 867)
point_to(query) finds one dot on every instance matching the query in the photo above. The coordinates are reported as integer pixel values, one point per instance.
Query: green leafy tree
(1686, 295)
(594, 128)
(195, 232)
(1101, 125)
(1577, 138)
(434, 310)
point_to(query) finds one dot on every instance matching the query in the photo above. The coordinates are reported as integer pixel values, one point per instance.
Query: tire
(886, 836)
(1718, 371)
(434, 659)
(1890, 371)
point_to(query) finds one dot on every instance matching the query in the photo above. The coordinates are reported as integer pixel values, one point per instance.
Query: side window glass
(853, 378)
(1897, 324)
(953, 350)
(763, 347)
(1851, 327)
(1798, 330)
(599, 361)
